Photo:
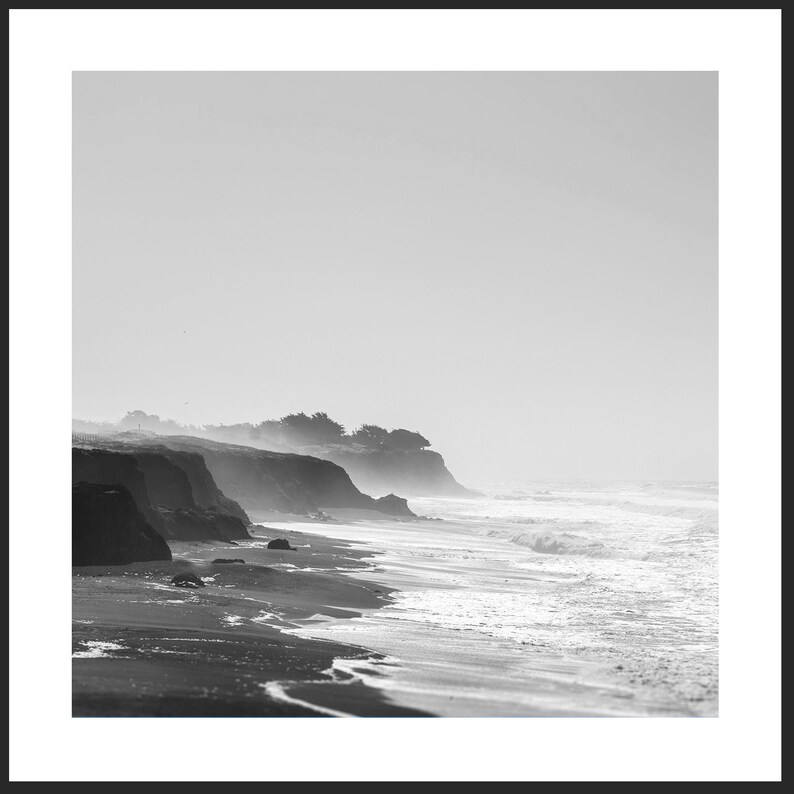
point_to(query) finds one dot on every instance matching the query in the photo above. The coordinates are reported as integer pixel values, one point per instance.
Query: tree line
(292, 430)
(303, 429)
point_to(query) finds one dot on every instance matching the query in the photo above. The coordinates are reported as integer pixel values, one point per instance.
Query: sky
(522, 266)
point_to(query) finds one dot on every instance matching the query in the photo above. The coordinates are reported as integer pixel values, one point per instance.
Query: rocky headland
(189, 488)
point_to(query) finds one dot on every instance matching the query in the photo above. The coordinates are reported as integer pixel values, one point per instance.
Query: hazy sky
(522, 266)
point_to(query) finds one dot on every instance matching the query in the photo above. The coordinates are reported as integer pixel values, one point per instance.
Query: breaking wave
(563, 543)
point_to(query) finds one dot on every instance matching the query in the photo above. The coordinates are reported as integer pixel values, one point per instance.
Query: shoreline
(419, 617)
(143, 647)
(459, 653)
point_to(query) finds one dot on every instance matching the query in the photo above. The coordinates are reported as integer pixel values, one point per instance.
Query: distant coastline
(379, 461)
(151, 508)
(220, 579)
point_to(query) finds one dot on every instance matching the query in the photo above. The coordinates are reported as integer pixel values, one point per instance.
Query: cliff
(378, 460)
(417, 472)
(173, 490)
(109, 529)
(264, 480)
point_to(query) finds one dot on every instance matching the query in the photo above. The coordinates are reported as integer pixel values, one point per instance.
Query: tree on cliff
(133, 420)
(301, 429)
(325, 428)
(270, 429)
(377, 437)
(318, 428)
(370, 436)
(406, 440)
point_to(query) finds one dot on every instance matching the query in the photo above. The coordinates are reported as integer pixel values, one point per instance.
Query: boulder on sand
(187, 580)
(280, 543)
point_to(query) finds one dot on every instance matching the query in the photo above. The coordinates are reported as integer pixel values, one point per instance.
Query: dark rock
(187, 580)
(109, 529)
(172, 488)
(200, 524)
(280, 543)
(394, 506)
(225, 561)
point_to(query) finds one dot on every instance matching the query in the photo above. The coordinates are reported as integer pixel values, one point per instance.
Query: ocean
(543, 599)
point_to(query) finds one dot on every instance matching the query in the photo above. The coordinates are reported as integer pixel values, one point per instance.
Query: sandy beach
(143, 647)
(374, 616)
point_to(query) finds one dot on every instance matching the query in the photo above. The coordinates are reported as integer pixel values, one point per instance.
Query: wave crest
(559, 543)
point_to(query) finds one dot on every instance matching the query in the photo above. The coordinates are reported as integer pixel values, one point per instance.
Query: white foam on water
(275, 690)
(563, 598)
(96, 649)
(265, 617)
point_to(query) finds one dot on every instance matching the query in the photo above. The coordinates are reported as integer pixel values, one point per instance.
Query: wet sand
(470, 630)
(143, 647)
(394, 618)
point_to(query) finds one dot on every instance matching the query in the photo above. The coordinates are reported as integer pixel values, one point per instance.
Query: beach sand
(143, 647)
(389, 618)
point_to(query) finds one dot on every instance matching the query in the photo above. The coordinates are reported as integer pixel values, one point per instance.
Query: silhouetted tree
(133, 419)
(301, 429)
(406, 440)
(370, 436)
(270, 429)
(325, 429)
(318, 428)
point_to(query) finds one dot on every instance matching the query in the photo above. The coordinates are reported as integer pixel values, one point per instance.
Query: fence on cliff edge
(93, 438)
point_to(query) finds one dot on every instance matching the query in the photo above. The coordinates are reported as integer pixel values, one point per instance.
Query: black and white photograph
(395, 393)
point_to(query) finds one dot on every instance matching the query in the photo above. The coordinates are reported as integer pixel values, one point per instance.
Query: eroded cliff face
(419, 472)
(194, 488)
(181, 479)
(109, 529)
(263, 480)
(378, 461)
(173, 490)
